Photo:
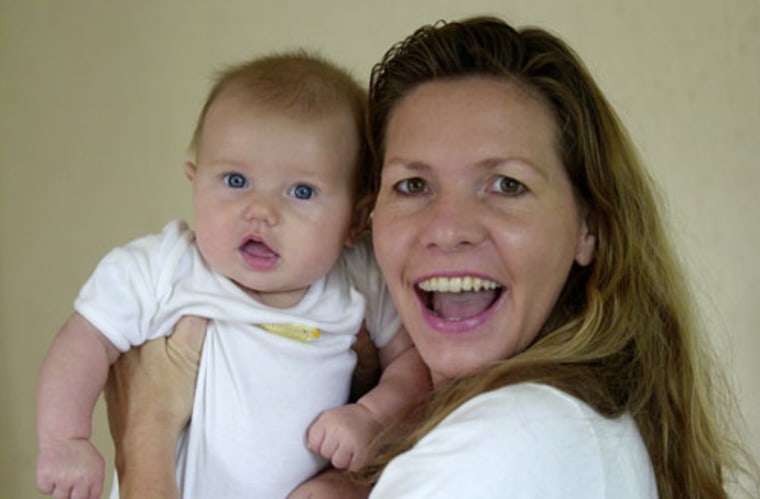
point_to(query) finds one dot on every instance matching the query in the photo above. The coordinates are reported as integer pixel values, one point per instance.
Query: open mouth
(458, 298)
(258, 255)
(257, 249)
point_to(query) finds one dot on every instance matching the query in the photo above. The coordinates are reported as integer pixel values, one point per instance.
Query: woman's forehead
(458, 119)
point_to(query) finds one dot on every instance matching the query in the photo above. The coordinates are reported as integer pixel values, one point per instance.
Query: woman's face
(476, 225)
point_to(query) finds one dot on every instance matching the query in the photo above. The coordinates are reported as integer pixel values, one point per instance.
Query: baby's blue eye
(235, 180)
(302, 191)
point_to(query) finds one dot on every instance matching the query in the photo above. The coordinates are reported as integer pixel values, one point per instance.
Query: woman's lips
(458, 303)
(258, 255)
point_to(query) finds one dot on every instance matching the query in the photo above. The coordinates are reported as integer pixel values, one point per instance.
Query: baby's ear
(360, 222)
(190, 169)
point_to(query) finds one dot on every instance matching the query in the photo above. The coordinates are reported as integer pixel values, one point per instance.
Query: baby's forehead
(239, 98)
(330, 139)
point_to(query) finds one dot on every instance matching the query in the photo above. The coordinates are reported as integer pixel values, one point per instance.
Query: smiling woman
(491, 201)
(579, 371)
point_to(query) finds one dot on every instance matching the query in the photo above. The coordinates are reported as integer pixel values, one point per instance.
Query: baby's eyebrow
(225, 164)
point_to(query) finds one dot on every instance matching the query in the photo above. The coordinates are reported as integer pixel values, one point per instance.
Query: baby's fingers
(45, 485)
(329, 445)
(84, 490)
(61, 491)
(342, 457)
(316, 435)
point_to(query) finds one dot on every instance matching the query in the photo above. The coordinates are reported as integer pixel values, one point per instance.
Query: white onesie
(257, 392)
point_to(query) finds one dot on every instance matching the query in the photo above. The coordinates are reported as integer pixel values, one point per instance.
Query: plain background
(98, 101)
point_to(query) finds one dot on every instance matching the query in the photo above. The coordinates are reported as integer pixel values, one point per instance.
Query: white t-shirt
(523, 441)
(257, 392)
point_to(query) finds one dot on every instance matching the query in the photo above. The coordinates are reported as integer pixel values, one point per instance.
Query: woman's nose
(261, 208)
(453, 223)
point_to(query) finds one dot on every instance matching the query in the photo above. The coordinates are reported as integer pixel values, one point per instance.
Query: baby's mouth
(458, 298)
(258, 249)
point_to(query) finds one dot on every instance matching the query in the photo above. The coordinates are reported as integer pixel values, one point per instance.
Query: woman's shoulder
(530, 440)
(557, 429)
(534, 414)
(521, 398)
(533, 404)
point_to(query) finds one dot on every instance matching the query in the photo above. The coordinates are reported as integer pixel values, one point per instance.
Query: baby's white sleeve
(122, 295)
(381, 317)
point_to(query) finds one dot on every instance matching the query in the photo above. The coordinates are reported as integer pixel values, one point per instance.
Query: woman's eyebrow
(414, 165)
(522, 164)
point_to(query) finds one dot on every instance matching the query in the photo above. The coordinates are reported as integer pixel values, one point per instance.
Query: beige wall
(98, 100)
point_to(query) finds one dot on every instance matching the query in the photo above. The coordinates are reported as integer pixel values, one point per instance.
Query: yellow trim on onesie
(293, 331)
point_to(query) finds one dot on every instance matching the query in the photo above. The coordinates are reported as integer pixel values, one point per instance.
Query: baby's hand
(342, 435)
(70, 469)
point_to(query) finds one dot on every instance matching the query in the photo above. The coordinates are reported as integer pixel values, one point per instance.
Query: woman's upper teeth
(457, 284)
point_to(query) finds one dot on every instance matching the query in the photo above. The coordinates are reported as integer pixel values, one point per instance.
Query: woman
(523, 247)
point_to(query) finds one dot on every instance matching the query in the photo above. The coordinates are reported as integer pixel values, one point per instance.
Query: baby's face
(273, 196)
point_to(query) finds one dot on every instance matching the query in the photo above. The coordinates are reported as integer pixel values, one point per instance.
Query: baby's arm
(342, 435)
(71, 379)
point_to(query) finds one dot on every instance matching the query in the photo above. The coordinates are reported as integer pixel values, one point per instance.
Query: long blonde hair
(622, 336)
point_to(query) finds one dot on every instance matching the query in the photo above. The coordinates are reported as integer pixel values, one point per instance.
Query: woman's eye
(235, 180)
(508, 185)
(302, 191)
(415, 185)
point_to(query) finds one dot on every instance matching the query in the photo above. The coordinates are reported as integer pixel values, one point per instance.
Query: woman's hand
(149, 395)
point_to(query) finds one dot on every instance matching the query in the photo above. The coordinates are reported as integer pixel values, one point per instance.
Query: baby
(277, 264)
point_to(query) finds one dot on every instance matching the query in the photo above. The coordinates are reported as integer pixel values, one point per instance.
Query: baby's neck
(277, 299)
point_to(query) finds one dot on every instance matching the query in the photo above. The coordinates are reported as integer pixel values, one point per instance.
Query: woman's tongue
(456, 306)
